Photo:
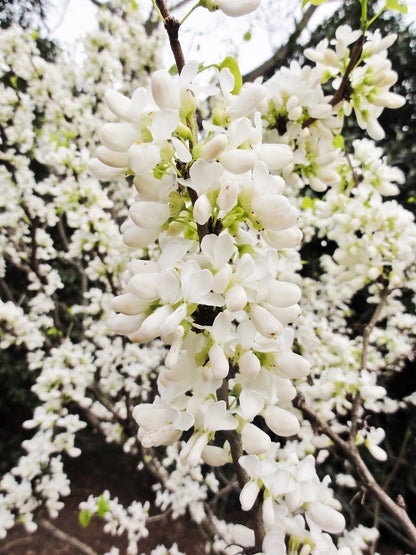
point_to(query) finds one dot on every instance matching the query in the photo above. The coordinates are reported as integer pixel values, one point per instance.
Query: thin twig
(344, 89)
(172, 26)
(351, 453)
(67, 538)
(268, 68)
(364, 358)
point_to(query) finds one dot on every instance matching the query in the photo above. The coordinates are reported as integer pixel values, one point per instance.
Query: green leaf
(176, 204)
(230, 63)
(338, 142)
(308, 202)
(103, 506)
(314, 2)
(173, 70)
(134, 5)
(247, 35)
(84, 517)
(395, 6)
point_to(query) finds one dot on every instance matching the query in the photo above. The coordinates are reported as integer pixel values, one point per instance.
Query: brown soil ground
(102, 467)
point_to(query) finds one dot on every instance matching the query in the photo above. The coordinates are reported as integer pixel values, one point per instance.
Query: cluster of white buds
(370, 80)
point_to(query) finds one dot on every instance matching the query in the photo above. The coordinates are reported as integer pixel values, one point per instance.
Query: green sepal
(160, 170)
(212, 196)
(201, 358)
(184, 132)
(243, 249)
(236, 390)
(219, 115)
(166, 152)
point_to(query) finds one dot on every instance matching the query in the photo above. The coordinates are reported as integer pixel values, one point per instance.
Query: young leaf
(338, 142)
(84, 517)
(230, 63)
(395, 6)
(103, 506)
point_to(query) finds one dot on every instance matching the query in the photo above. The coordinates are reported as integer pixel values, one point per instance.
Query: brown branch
(172, 26)
(234, 439)
(352, 454)
(344, 89)
(7, 292)
(67, 538)
(364, 358)
(268, 68)
(101, 398)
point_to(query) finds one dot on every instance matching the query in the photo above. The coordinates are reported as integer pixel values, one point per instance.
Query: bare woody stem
(172, 26)
(352, 454)
(234, 439)
(343, 90)
(364, 357)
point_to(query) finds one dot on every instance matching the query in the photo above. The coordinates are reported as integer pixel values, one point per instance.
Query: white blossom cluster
(60, 258)
(208, 266)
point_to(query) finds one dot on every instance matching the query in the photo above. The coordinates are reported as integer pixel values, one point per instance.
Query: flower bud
(326, 518)
(255, 441)
(281, 422)
(212, 149)
(248, 495)
(275, 156)
(202, 210)
(164, 90)
(247, 101)
(228, 195)
(149, 215)
(118, 104)
(219, 362)
(112, 158)
(284, 239)
(249, 365)
(165, 435)
(102, 171)
(216, 456)
(286, 315)
(264, 322)
(188, 104)
(143, 157)
(236, 8)
(124, 325)
(283, 293)
(129, 304)
(119, 136)
(291, 365)
(238, 161)
(236, 298)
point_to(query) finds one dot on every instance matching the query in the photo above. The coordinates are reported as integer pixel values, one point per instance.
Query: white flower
(233, 8)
